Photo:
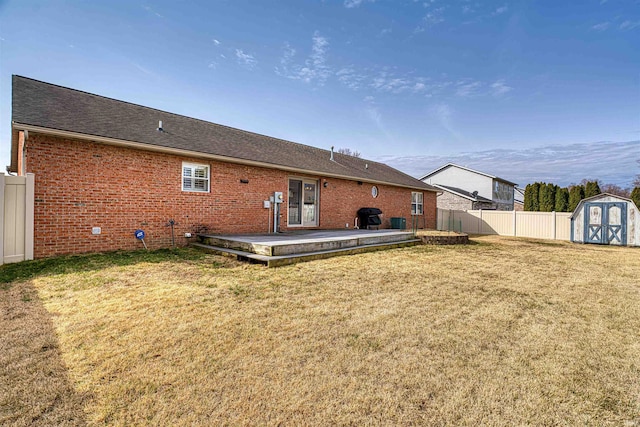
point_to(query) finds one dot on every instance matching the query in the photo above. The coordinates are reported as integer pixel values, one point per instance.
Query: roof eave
(190, 153)
(470, 170)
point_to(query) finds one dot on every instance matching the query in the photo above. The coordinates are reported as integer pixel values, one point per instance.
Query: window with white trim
(195, 177)
(417, 207)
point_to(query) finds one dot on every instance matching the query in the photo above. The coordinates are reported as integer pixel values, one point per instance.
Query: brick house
(104, 168)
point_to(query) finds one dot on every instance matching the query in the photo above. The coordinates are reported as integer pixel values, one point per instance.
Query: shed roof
(601, 196)
(448, 165)
(43, 107)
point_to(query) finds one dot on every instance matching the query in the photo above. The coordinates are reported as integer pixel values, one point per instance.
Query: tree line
(547, 197)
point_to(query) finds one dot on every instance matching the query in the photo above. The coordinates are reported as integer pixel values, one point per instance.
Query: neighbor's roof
(448, 165)
(47, 108)
(518, 195)
(463, 193)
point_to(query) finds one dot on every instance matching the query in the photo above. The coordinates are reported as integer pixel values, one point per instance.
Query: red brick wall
(80, 185)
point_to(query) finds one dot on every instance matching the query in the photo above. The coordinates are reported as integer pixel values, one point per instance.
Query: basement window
(417, 207)
(195, 177)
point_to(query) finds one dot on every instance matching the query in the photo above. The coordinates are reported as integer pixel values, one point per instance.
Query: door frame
(316, 204)
(605, 229)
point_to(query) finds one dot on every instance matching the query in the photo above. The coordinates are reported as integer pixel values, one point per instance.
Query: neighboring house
(498, 190)
(105, 168)
(518, 199)
(458, 199)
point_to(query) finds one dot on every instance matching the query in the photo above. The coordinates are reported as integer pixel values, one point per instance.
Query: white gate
(16, 217)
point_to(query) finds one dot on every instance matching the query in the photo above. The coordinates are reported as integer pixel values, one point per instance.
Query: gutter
(189, 153)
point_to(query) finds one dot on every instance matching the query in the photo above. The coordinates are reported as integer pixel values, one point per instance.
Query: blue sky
(544, 90)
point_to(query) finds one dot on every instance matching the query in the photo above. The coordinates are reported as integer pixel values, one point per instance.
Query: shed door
(605, 223)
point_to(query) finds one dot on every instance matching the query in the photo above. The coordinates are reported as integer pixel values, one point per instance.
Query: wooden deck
(288, 248)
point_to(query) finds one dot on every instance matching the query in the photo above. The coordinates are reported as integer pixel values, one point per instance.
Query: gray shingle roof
(463, 193)
(45, 105)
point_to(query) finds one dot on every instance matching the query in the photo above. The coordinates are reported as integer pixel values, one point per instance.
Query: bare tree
(348, 152)
(615, 189)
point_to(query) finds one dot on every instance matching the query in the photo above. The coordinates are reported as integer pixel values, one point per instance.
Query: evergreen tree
(535, 197)
(547, 197)
(576, 193)
(591, 189)
(528, 198)
(635, 196)
(562, 200)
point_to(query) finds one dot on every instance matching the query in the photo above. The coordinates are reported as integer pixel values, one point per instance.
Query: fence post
(515, 221)
(480, 223)
(29, 216)
(553, 225)
(1, 218)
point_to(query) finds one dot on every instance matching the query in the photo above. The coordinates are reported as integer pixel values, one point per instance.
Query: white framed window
(195, 177)
(417, 207)
(374, 191)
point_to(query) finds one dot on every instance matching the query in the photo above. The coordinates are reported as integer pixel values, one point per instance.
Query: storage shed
(606, 219)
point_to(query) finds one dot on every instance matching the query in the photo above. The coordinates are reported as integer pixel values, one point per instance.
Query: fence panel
(497, 222)
(563, 226)
(537, 225)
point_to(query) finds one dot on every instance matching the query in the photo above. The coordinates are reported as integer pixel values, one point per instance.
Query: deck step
(279, 260)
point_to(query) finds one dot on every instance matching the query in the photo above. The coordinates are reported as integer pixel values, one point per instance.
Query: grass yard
(499, 332)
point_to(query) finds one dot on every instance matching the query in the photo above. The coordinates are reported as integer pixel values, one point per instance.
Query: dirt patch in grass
(502, 332)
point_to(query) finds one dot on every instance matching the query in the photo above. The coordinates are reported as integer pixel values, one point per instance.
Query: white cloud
(349, 4)
(436, 16)
(500, 10)
(629, 25)
(466, 88)
(443, 114)
(314, 69)
(141, 68)
(601, 26)
(246, 60)
(351, 79)
(150, 10)
(216, 42)
(560, 164)
(386, 81)
(499, 88)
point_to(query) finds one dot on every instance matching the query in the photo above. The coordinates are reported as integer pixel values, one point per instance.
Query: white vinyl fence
(538, 225)
(16, 217)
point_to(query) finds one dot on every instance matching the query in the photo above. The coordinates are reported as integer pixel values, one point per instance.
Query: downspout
(22, 153)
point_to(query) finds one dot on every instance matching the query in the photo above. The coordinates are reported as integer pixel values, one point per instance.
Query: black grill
(369, 218)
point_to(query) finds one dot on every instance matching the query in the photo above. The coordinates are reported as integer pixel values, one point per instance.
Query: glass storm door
(303, 203)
